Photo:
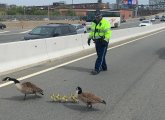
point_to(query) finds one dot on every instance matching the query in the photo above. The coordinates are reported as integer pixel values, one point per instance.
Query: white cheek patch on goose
(19, 87)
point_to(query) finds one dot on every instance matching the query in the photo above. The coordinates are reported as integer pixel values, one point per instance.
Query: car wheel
(116, 25)
(2, 27)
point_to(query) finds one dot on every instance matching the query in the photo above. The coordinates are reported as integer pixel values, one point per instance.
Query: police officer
(100, 33)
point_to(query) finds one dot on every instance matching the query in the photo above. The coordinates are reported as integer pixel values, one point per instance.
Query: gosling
(74, 98)
(88, 98)
(26, 87)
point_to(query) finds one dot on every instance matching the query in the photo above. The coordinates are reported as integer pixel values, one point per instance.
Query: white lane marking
(25, 31)
(55, 67)
(4, 32)
(5, 84)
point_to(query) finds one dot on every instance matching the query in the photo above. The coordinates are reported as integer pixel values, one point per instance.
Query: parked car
(123, 20)
(162, 18)
(80, 28)
(153, 19)
(142, 18)
(145, 23)
(51, 30)
(2, 26)
(156, 16)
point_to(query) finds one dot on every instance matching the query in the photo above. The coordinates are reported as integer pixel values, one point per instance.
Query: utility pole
(24, 12)
(48, 13)
(72, 8)
(99, 4)
(136, 9)
(117, 4)
(72, 4)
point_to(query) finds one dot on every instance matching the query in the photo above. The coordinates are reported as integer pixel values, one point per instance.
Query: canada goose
(26, 87)
(88, 98)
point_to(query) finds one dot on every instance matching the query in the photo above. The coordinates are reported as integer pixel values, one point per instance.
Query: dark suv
(162, 18)
(142, 18)
(2, 26)
(51, 30)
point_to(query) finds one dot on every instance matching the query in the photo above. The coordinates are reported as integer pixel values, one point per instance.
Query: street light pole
(72, 8)
(24, 11)
(72, 4)
(48, 13)
(136, 10)
(99, 4)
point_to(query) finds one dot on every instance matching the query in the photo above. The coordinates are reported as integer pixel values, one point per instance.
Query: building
(126, 4)
(126, 14)
(3, 6)
(59, 3)
(156, 2)
(80, 9)
(113, 6)
(85, 6)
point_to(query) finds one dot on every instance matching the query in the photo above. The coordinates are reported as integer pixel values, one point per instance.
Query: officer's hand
(94, 41)
(89, 41)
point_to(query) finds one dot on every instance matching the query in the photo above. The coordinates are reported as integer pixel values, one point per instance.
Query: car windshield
(42, 31)
(145, 21)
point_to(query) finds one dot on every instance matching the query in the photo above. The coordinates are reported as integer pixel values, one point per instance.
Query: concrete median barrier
(14, 56)
(19, 55)
(60, 46)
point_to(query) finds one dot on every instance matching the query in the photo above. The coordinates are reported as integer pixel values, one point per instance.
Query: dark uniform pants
(101, 50)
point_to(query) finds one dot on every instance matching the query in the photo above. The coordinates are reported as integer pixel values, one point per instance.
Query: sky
(50, 2)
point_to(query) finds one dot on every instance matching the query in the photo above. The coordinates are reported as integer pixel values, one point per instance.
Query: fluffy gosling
(56, 98)
(74, 98)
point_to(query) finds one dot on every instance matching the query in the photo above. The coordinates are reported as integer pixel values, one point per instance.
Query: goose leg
(89, 105)
(25, 97)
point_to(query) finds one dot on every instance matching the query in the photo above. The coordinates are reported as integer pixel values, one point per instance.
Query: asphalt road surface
(133, 86)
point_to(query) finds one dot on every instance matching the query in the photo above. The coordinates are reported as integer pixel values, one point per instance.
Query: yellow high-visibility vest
(100, 30)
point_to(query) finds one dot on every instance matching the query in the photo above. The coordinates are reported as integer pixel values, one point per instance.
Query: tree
(36, 11)
(15, 11)
(71, 12)
(40, 12)
(55, 12)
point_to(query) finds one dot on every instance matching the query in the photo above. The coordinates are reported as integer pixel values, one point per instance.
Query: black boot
(94, 72)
